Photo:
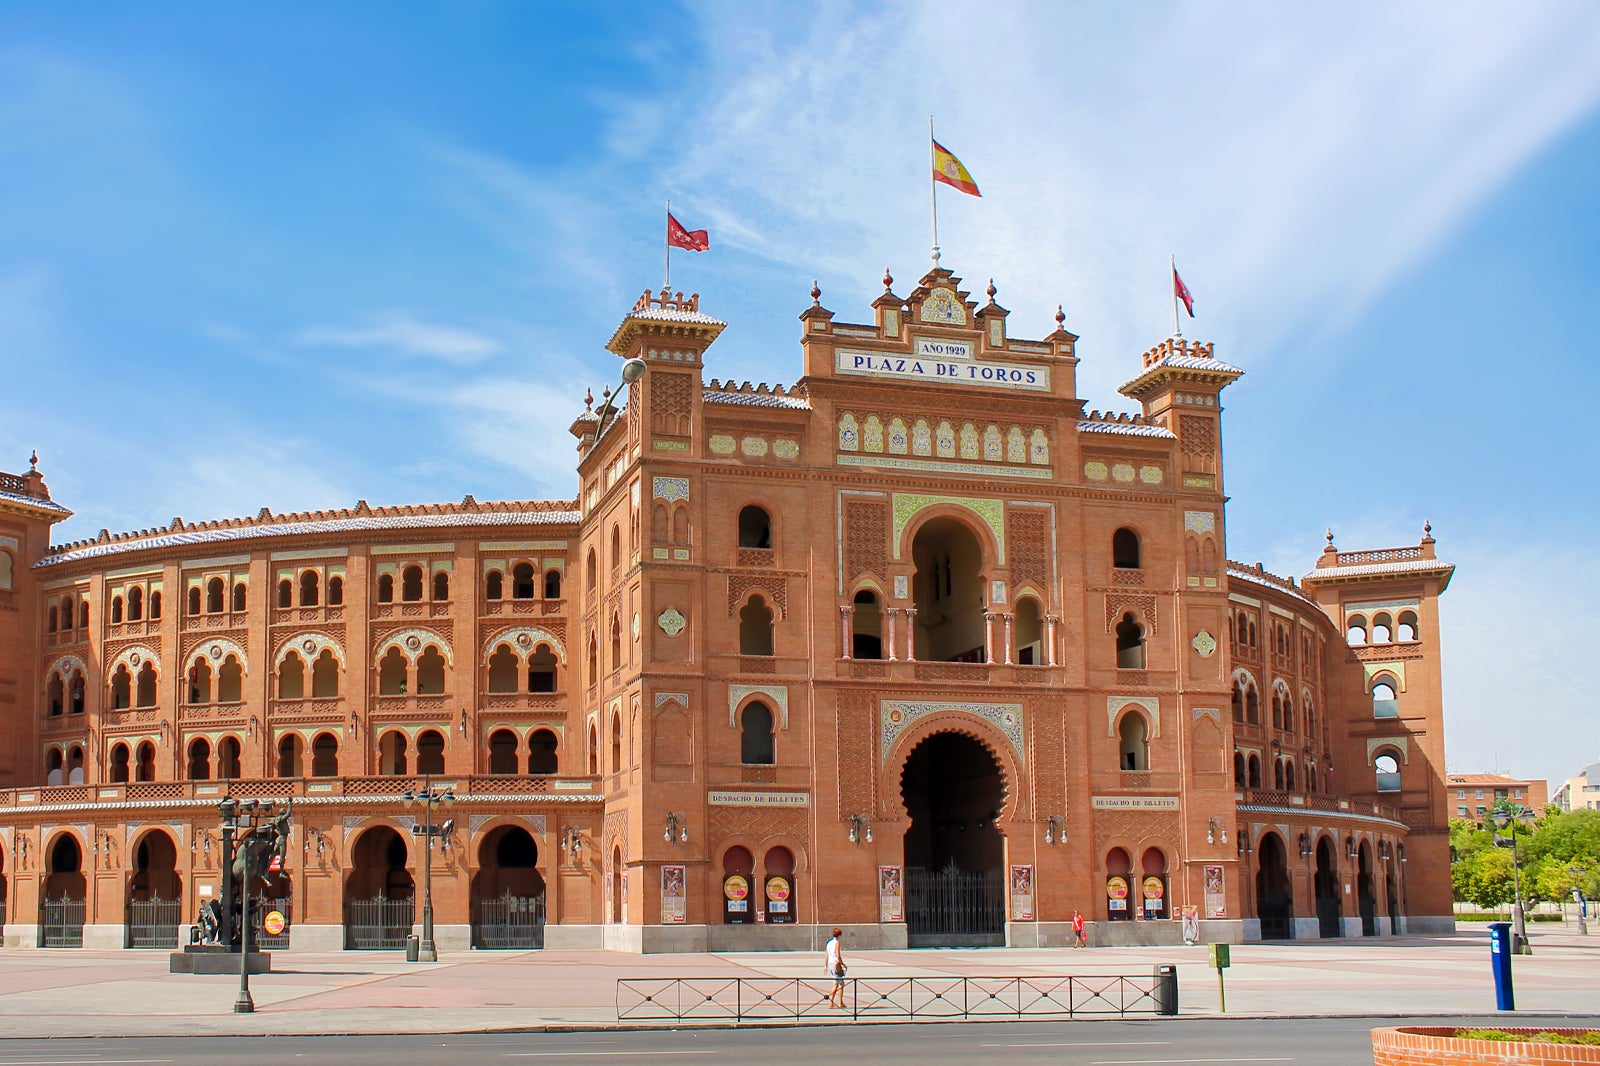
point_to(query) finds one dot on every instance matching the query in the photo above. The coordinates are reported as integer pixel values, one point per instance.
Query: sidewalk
(127, 993)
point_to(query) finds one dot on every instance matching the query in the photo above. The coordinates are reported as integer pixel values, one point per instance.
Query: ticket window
(778, 887)
(1120, 902)
(738, 896)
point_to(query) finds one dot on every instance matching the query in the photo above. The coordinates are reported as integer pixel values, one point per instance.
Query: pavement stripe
(1093, 1043)
(1167, 1062)
(574, 1054)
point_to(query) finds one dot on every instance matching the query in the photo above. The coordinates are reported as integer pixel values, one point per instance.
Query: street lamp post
(1508, 815)
(247, 826)
(428, 796)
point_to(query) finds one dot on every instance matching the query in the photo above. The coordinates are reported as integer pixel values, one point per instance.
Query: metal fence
(768, 999)
(508, 922)
(153, 923)
(61, 923)
(263, 940)
(956, 906)
(379, 923)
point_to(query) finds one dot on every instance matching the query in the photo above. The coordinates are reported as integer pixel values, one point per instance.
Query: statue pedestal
(216, 959)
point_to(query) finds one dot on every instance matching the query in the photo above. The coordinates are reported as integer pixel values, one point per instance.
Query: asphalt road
(1164, 1042)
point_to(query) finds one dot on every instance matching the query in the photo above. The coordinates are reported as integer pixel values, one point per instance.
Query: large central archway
(953, 790)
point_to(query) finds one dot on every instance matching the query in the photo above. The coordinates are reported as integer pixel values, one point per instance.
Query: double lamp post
(428, 797)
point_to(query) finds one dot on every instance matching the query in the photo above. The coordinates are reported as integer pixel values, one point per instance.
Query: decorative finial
(588, 399)
(1061, 318)
(1330, 536)
(888, 280)
(1427, 527)
(816, 293)
(991, 290)
(33, 462)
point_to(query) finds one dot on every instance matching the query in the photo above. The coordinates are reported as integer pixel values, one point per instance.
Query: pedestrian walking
(1078, 939)
(833, 965)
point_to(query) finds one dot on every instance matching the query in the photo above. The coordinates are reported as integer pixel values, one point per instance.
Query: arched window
(335, 591)
(325, 756)
(155, 607)
(594, 749)
(542, 752)
(239, 595)
(392, 754)
(616, 743)
(386, 588)
(1277, 774)
(228, 758)
(309, 589)
(200, 759)
(1288, 775)
(66, 612)
(430, 752)
(1407, 630)
(430, 672)
(1130, 644)
(1381, 628)
(1288, 713)
(755, 527)
(1356, 630)
(1238, 769)
(522, 581)
(1029, 632)
(116, 610)
(616, 548)
(1311, 777)
(1308, 717)
(145, 769)
(1125, 549)
(392, 673)
(1384, 704)
(542, 669)
(291, 756)
(145, 693)
(1254, 770)
(552, 584)
(83, 614)
(214, 596)
(135, 604)
(594, 660)
(121, 688)
(756, 735)
(502, 752)
(1238, 701)
(200, 682)
(7, 570)
(119, 763)
(1134, 747)
(292, 677)
(441, 586)
(411, 584)
(589, 570)
(503, 670)
(55, 768)
(285, 594)
(616, 642)
(1277, 711)
(75, 695)
(230, 681)
(325, 675)
(56, 695)
(1252, 705)
(755, 627)
(866, 627)
(1387, 769)
(494, 585)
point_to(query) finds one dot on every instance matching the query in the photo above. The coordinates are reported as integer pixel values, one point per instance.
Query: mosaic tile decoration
(991, 512)
(778, 694)
(896, 716)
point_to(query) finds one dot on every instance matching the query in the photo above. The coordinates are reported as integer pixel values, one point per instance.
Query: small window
(194, 601)
(502, 752)
(1134, 745)
(411, 584)
(135, 604)
(1384, 704)
(285, 594)
(309, 590)
(325, 756)
(866, 627)
(239, 596)
(1356, 630)
(214, 596)
(552, 584)
(441, 586)
(1407, 629)
(755, 736)
(155, 607)
(1387, 769)
(1125, 549)
(116, 609)
(335, 591)
(1130, 644)
(755, 627)
(755, 528)
(522, 581)
(542, 752)
(494, 586)
(386, 588)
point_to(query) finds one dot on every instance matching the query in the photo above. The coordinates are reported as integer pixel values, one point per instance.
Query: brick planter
(1414, 1045)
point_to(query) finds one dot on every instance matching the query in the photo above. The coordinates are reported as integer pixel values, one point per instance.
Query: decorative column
(1050, 623)
(894, 614)
(988, 637)
(911, 634)
(1008, 619)
(846, 614)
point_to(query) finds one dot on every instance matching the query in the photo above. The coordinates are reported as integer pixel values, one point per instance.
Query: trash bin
(1500, 962)
(1165, 992)
(413, 948)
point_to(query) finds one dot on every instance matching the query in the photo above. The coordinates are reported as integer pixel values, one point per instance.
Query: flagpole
(1177, 323)
(666, 278)
(933, 192)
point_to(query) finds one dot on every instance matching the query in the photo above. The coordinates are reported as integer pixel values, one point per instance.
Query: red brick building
(918, 646)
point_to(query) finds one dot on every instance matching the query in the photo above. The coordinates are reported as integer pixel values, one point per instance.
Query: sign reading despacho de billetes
(758, 799)
(941, 363)
(1134, 803)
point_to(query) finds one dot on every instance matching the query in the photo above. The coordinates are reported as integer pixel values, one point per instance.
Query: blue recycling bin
(1500, 962)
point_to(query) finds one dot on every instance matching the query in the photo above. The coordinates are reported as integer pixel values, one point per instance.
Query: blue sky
(299, 255)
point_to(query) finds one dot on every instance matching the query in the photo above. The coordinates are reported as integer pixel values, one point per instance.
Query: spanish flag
(948, 169)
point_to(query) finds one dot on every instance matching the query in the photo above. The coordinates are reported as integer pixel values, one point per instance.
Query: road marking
(1169, 1062)
(1093, 1043)
(564, 1054)
(78, 1062)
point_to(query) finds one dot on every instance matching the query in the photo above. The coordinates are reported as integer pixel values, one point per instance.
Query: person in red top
(1079, 940)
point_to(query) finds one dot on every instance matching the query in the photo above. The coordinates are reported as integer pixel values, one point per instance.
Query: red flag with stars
(694, 240)
(1181, 292)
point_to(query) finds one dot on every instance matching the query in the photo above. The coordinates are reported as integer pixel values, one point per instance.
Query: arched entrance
(1392, 891)
(508, 891)
(1366, 892)
(64, 890)
(1327, 889)
(948, 592)
(953, 791)
(1274, 891)
(380, 896)
(155, 893)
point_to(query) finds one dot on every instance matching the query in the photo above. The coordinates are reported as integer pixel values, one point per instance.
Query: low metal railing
(768, 999)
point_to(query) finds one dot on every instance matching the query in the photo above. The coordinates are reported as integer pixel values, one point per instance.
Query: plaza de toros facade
(917, 646)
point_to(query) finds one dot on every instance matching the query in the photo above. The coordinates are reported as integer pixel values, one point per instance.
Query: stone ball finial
(816, 293)
(33, 460)
(588, 399)
(1061, 318)
(1330, 537)
(888, 280)
(991, 290)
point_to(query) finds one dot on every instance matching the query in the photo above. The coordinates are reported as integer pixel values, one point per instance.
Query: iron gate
(259, 909)
(61, 923)
(955, 908)
(508, 922)
(379, 923)
(153, 923)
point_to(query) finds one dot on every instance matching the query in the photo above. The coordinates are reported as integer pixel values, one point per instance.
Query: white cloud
(402, 333)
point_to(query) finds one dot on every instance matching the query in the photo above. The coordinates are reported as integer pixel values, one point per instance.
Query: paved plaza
(91, 993)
